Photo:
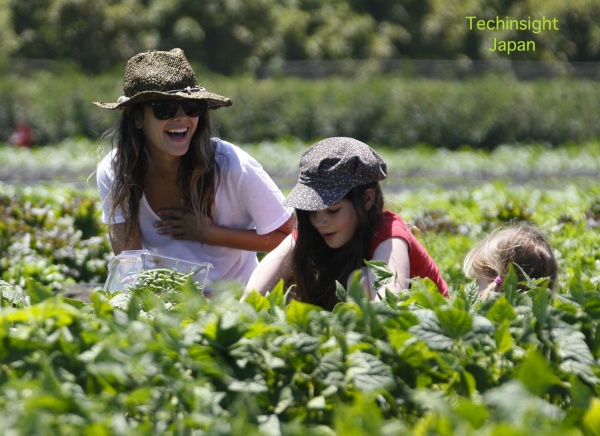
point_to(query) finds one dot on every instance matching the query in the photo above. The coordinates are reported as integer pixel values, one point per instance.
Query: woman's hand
(184, 225)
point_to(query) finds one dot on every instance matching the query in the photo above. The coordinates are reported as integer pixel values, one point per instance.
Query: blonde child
(524, 246)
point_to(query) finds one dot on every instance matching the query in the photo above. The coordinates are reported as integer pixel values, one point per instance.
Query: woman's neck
(164, 168)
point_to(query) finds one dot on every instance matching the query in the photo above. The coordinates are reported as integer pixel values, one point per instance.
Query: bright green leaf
(541, 307)
(504, 340)
(277, 296)
(501, 310)
(536, 374)
(258, 301)
(591, 419)
(455, 323)
(38, 292)
(298, 313)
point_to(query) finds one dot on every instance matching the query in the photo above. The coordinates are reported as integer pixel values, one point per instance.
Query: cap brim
(214, 101)
(304, 197)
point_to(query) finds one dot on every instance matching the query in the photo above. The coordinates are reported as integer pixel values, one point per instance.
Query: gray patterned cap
(332, 167)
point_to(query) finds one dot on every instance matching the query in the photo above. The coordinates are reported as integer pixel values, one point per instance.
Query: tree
(234, 36)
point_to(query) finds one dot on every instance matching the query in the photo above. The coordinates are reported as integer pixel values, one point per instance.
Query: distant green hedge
(385, 110)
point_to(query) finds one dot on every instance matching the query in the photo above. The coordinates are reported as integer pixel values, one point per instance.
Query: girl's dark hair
(316, 267)
(197, 173)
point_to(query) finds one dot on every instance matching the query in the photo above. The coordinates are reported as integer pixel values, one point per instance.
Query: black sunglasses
(165, 109)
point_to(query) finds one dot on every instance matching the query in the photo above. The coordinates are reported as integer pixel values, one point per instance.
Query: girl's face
(167, 137)
(336, 224)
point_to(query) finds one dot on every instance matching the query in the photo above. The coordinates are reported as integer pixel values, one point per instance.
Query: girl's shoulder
(389, 226)
(389, 218)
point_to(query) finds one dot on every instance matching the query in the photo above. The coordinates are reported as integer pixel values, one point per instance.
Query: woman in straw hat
(341, 222)
(169, 187)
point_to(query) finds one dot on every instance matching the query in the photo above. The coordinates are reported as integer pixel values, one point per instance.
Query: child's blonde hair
(524, 246)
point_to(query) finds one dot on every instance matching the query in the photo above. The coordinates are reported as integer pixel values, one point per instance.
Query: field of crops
(172, 362)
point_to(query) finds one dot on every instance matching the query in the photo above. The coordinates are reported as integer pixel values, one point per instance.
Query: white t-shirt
(246, 198)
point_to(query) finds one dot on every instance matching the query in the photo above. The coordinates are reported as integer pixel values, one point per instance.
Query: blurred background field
(391, 73)
(383, 110)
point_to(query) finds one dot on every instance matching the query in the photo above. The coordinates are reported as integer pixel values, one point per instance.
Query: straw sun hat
(162, 75)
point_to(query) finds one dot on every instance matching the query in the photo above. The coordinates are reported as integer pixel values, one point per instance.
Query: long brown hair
(316, 267)
(197, 178)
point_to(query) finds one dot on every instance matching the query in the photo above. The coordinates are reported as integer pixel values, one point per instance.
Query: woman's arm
(394, 252)
(184, 225)
(117, 235)
(272, 268)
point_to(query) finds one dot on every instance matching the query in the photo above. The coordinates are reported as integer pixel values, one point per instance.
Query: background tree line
(233, 36)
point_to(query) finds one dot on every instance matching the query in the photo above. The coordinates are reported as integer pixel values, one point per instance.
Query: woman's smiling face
(169, 137)
(336, 224)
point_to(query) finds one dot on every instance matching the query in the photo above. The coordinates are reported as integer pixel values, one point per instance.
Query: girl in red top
(340, 223)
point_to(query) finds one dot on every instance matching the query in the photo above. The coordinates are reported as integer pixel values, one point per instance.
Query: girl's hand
(182, 224)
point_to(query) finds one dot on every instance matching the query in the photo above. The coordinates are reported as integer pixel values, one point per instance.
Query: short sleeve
(104, 180)
(262, 198)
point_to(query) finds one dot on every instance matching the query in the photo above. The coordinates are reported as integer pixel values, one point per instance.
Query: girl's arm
(184, 225)
(116, 233)
(394, 252)
(272, 268)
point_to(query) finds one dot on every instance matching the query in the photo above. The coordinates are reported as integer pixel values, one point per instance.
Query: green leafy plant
(411, 363)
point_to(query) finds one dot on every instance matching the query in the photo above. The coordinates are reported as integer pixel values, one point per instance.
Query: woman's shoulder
(105, 165)
(228, 148)
(109, 155)
(230, 156)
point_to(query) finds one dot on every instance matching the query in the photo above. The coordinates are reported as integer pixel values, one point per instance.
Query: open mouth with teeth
(177, 133)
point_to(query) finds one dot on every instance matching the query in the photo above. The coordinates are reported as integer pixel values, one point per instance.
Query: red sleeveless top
(422, 265)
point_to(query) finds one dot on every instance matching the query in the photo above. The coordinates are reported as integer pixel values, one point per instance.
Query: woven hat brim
(304, 197)
(214, 101)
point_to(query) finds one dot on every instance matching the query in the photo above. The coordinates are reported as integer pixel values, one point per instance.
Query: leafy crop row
(51, 236)
(417, 363)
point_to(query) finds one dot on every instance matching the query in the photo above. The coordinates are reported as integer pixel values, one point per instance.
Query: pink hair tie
(498, 280)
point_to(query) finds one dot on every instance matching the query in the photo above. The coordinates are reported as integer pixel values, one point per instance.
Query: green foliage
(265, 33)
(387, 110)
(401, 112)
(51, 237)
(401, 365)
